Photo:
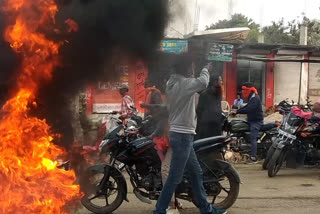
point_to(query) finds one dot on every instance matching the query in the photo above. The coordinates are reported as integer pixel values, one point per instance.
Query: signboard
(174, 46)
(104, 96)
(106, 107)
(220, 52)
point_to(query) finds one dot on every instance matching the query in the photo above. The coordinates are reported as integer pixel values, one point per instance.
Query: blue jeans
(254, 131)
(183, 157)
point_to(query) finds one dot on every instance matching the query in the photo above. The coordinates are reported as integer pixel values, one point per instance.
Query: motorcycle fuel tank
(239, 126)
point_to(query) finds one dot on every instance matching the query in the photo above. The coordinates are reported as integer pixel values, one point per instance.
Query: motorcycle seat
(267, 126)
(208, 141)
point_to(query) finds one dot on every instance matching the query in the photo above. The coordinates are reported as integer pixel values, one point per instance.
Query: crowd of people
(182, 119)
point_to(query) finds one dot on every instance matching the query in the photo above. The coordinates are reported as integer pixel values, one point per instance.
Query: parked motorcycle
(105, 186)
(295, 141)
(284, 108)
(240, 128)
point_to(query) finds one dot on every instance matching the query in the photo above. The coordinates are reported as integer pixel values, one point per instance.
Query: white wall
(286, 81)
(314, 80)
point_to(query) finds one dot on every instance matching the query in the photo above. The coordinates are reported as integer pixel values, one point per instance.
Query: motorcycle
(105, 186)
(284, 108)
(240, 128)
(296, 143)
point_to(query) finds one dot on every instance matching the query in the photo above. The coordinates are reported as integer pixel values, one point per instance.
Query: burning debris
(62, 45)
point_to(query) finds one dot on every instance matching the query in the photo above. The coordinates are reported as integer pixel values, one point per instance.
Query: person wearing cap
(253, 110)
(128, 108)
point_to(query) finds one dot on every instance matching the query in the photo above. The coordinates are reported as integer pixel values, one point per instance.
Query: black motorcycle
(284, 108)
(240, 128)
(105, 185)
(296, 144)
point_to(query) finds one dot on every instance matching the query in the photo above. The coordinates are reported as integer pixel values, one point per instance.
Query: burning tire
(103, 200)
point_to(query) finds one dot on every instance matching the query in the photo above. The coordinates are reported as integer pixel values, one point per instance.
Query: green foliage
(278, 32)
(313, 31)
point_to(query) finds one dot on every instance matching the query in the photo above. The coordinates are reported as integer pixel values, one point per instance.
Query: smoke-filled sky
(262, 11)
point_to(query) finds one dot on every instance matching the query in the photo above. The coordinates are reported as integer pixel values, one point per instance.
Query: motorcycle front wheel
(269, 155)
(106, 201)
(223, 193)
(276, 162)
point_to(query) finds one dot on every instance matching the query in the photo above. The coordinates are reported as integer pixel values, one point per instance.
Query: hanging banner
(220, 52)
(105, 96)
(140, 91)
(174, 46)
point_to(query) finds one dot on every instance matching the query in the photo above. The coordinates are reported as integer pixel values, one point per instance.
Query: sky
(261, 11)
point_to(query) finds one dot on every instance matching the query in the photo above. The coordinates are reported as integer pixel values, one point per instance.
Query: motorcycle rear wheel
(276, 162)
(100, 204)
(228, 188)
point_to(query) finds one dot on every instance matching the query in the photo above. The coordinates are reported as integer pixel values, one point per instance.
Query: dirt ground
(290, 192)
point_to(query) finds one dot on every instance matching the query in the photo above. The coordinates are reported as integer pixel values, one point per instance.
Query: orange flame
(29, 179)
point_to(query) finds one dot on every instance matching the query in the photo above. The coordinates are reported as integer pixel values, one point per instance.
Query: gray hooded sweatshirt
(181, 101)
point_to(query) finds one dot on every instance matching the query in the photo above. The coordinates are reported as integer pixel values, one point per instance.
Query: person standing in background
(209, 112)
(128, 108)
(153, 95)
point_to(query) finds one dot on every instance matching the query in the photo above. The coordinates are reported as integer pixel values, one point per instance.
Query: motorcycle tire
(231, 174)
(108, 208)
(276, 162)
(269, 155)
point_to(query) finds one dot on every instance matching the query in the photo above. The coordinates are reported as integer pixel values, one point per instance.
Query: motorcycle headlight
(293, 130)
(290, 129)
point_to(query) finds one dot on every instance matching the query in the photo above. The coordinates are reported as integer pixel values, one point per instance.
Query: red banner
(141, 76)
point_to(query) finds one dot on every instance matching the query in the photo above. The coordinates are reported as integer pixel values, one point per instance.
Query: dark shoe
(252, 160)
(219, 211)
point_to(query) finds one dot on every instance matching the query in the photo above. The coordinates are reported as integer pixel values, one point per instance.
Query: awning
(228, 34)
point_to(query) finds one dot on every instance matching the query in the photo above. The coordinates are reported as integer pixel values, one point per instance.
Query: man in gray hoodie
(181, 90)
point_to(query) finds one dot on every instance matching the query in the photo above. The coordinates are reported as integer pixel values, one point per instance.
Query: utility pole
(230, 9)
(196, 17)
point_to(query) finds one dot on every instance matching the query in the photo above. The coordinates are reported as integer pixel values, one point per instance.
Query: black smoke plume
(106, 29)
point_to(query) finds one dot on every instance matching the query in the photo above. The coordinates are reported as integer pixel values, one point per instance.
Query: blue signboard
(174, 46)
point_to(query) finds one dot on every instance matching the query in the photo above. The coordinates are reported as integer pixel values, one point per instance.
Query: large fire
(30, 182)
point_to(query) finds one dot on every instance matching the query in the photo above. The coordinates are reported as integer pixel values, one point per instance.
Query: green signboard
(220, 52)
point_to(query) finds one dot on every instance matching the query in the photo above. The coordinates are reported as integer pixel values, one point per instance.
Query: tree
(278, 32)
(238, 20)
(313, 31)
